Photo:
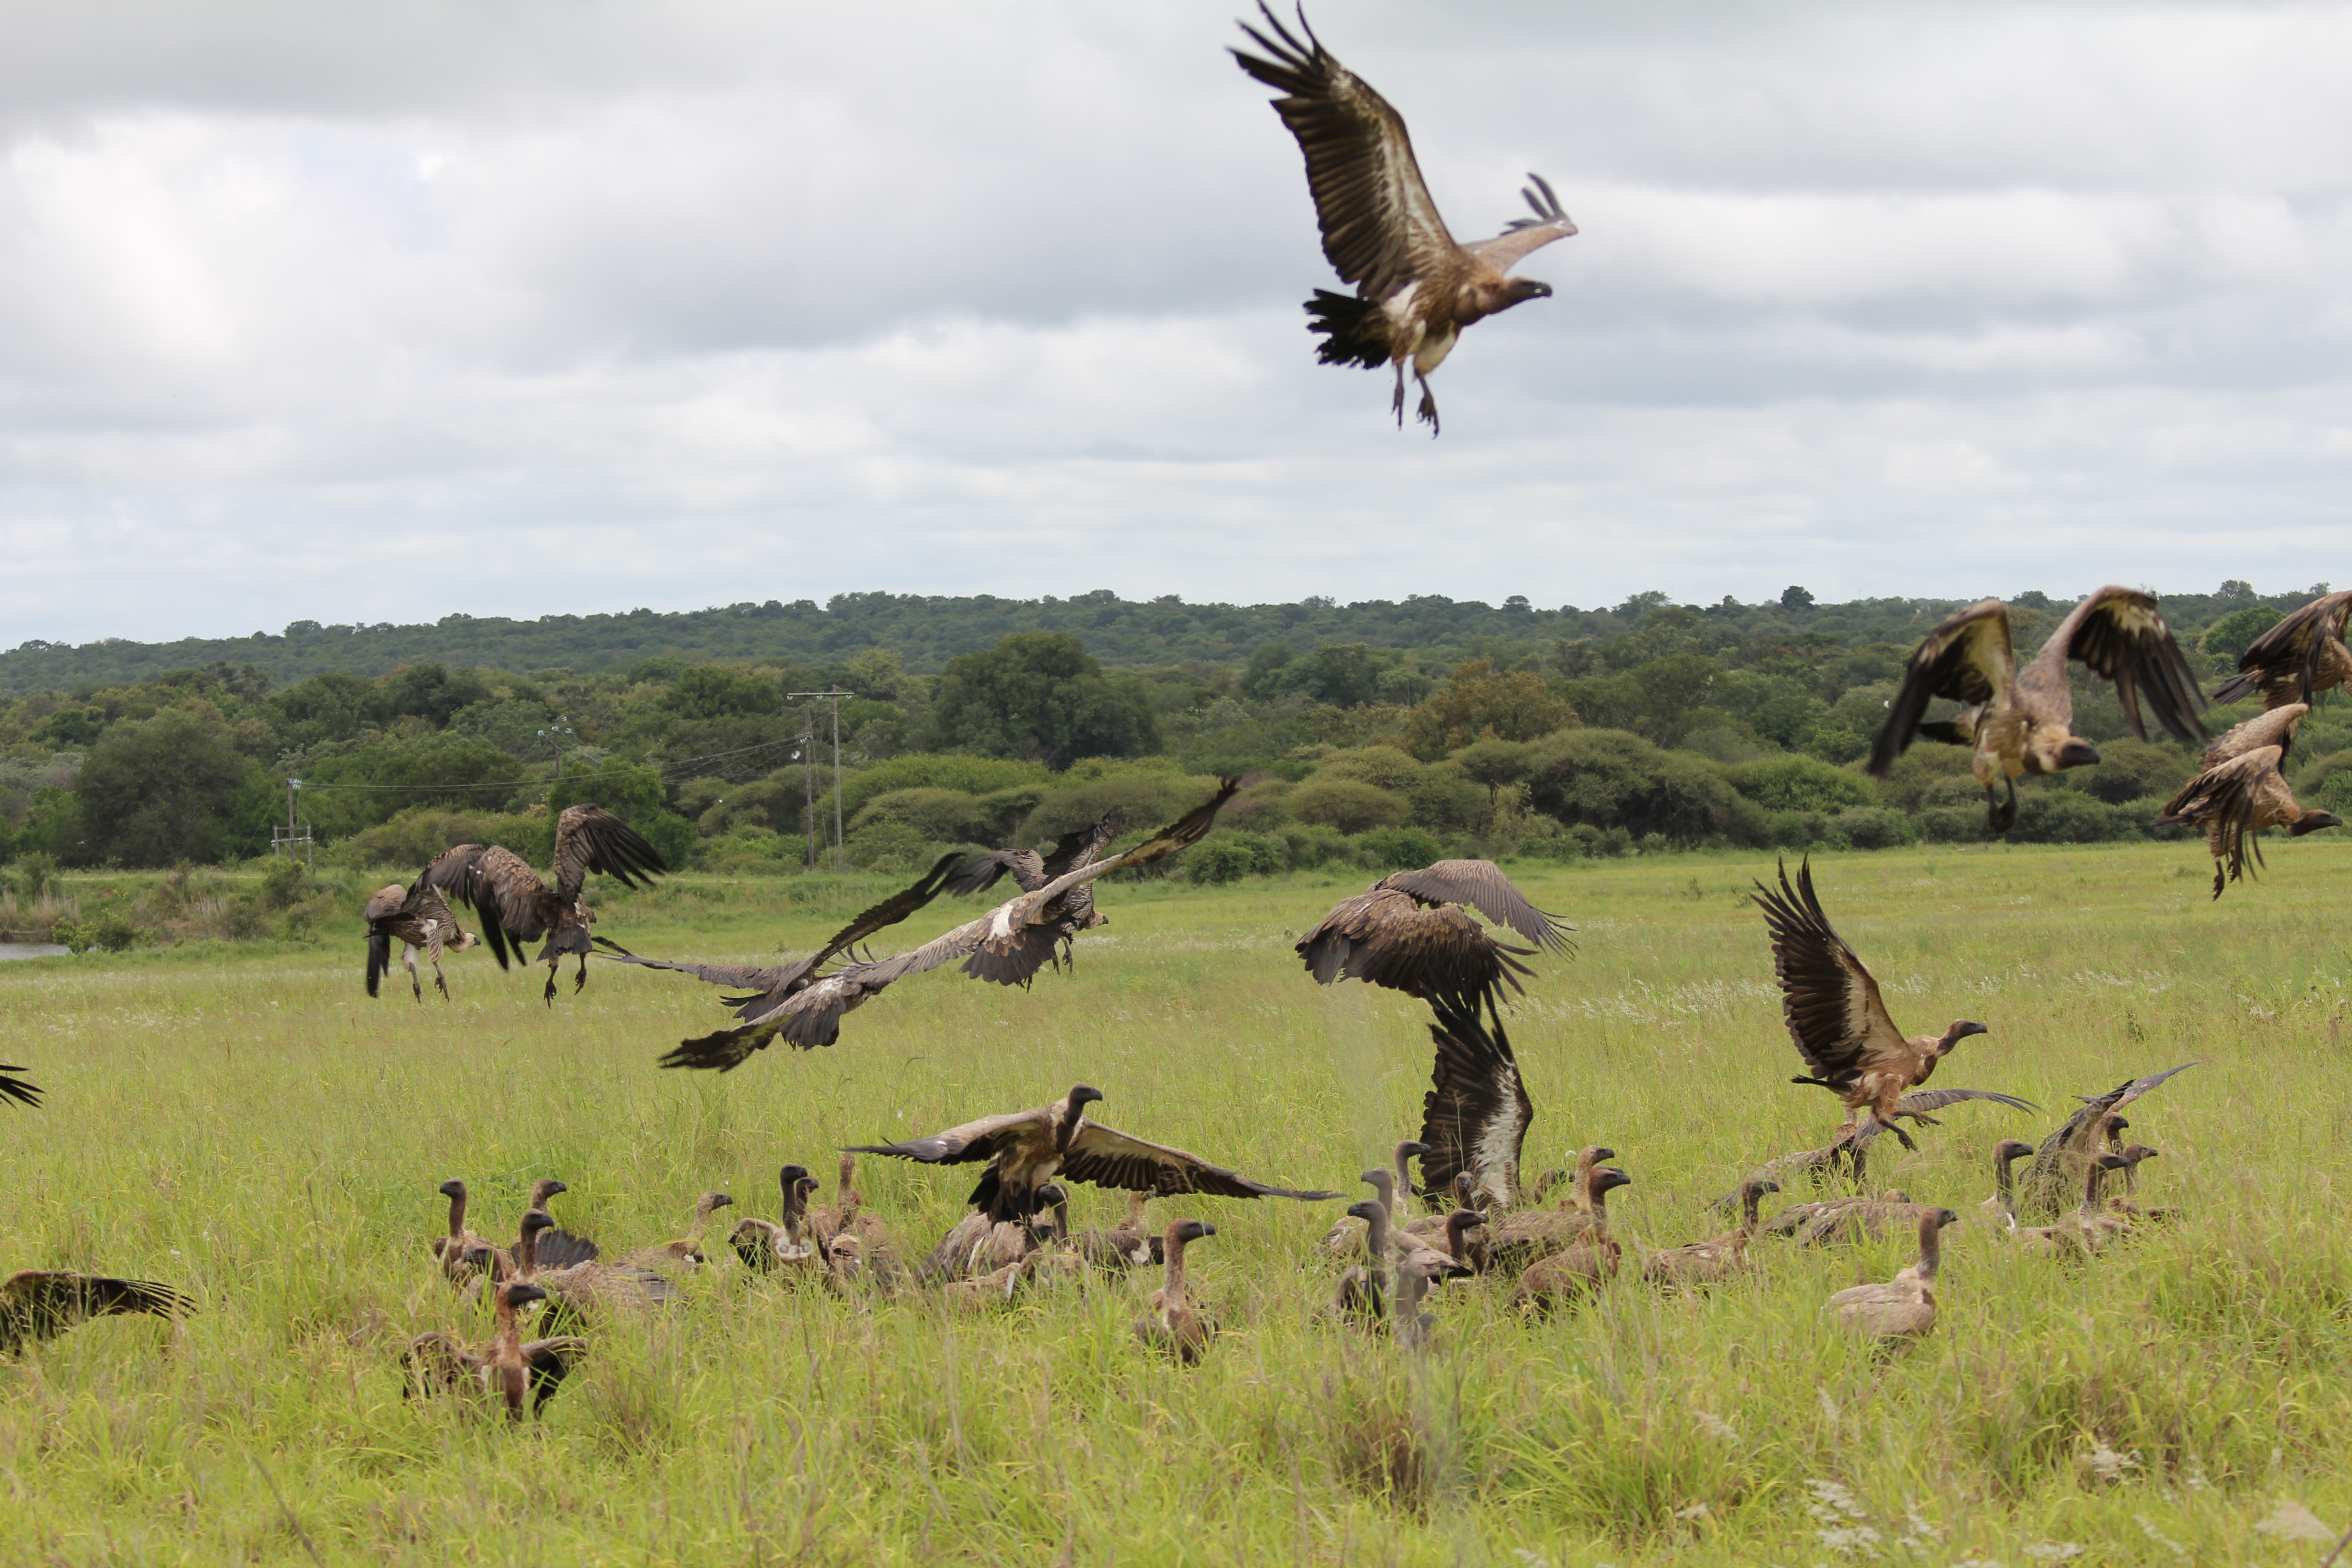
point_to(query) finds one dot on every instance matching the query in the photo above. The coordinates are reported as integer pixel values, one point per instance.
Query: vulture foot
(1396, 403)
(1902, 1137)
(2002, 813)
(1427, 413)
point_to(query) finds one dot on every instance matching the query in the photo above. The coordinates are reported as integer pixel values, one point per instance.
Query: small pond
(30, 950)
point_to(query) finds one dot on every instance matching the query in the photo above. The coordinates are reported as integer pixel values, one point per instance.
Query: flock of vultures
(1545, 1239)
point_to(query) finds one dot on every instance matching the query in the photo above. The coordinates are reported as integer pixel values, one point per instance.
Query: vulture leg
(2002, 812)
(1396, 404)
(554, 963)
(1428, 411)
(415, 982)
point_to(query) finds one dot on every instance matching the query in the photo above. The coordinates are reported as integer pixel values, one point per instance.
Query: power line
(668, 770)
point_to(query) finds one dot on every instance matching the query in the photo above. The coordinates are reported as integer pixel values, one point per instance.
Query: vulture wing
(1381, 228)
(1923, 1099)
(38, 1303)
(2286, 663)
(497, 884)
(1109, 1158)
(2046, 1181)
(1524, 236)
(386, 902)
(16, 1089)
(548, 1361)
(2233, 803)
(1386, 938)
(806, 1018)
(1828, 998)
(980, 873)
(983, 1140)
(1081, 846)
(590, 838)
(2119, 634)
(1482, 885)
(1967, 659)
(2272, 727)
(1474, 1117)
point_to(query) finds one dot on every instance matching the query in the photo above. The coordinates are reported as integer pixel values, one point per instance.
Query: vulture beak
(1969, 1027)
(555, 1187)
(2315, 820)
(452, 1189)
(1208, 1229)
(2077, 754)
(722, 1202)
(521, 1295)
(1084, 1094)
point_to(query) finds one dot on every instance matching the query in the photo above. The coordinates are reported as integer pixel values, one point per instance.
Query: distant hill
(926, 631)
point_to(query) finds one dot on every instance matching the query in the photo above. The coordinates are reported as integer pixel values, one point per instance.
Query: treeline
(1647, 728)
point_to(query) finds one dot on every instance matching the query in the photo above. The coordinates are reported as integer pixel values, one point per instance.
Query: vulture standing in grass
(763, 1244)
(577, 1290)
(42, 1304)
(1026, 1149)
(2002, 1207)
(1704, 1263)
(1032, 869)
(415, 916)
(1848, 1153)
(2021, 721)
(1528, 1235)
(1411, 933)
(1905, 1307)
(1008, 944)
(686, 1250)
(1587, 1263)
(2242, 792)
(1834, 1015)
(1344, 1236)
(461, 1253)
(1803, 1218)
(1129, 1244)
(1362, 1296)
(2297, 658)
(1173, 1325)
(16, 1089)
(506, 1370)
(516, 907)
(2059, 1162)
(1416, 287)
(1474, 1116)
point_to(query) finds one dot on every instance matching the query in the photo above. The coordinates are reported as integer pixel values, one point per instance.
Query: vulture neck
(1596, 1199)
(1136, 1205)
(457, 1217)
(850, 1196)
(526, 1255)
(1457, 1223)
(1074, 1117)
(1931, 1247)
(506, 1360)
(1403, 1191)
(1751, 1198)
(1173, 1245)
(1376, 1237)
(1384, 1188)
(2092, 1179)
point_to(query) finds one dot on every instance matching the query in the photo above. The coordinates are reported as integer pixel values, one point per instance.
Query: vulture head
(2312, 820)
(788, 1175)
(1189, 1230)
(452, 1189)
(1366, 1212)
(1960, 1030)
(543, 1190)
(1518, 289)
(802, 1186)
(517, 1293)
(2011, 1149)
(1608, 1179)
(536, 1221)
(1943, 1218)
(466, 939)
(1081, 1096)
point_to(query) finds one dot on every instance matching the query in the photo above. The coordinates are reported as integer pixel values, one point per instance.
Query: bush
(1382, 767)
(1230, 857)
(415, 835)
(1875, 827)
(1349, 805)
(2067, 816)
(888, 846)
(1801, 783)
(174, 788)
(2130, 770)
(1144, 801)
(1444, 800)
(943, 815)
(1397, 848)
(1311, 844)
(1610, 778)
(934, 770)
(756, 849)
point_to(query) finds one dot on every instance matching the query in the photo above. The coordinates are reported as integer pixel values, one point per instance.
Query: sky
(377, 312)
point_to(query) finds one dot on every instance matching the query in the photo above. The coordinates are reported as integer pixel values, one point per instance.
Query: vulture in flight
(516, 907)
(2297, 659)
(2059, 1165)
(1411, 933)
(1850, 1149)
(42, 1304)
(1475, 1118)
(1025, 1150)
(1835, 1017)
(1416, 287)
(1030, 871)
(2021, 721)
(415, 916)
(1008, 944)
(16, 1089)
(2241, 792)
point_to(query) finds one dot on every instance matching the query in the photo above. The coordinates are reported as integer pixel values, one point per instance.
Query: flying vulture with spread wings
(1475, 1118)
(16, 1089)
(1032, 869)
(516, 907)
(1025, 1150)
(2021, 721)
(1416, 287)
(1834, 1015)
(1410, 933)
(41, 1303)
(415, 916)
(1009, 944)
(2241, 792)
(2059, 1165)
(2297, 659)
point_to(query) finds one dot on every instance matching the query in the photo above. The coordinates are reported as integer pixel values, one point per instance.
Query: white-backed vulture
(16, 1089)
(1008, 944)
(553, 1248)
(516, 907)
(1362, 1294)
(2058, 1164)
(2021, 721)
(1587, 1263)
(1459, 1194)
(1523, 1237)
(1834, 1015)
(1411, 933)
(1346, 1236)
(2127, 1204)
(579, 1290)
(1032, 869)
(2297, 658)
(461, 1253)
(2002, 1207)
(1415, 1277)
(1859, 1220)
(2242, 792)
(1703, 1263)
(505, 1370)
(1905, 1307)
(417, 917)
(1172, 1324)
(42, 1304)
(1476, 1114)
(764, 1244)
(1026, 1149)
(687, 1250)
(1129, 1244)
(1416, 287)
(1799, 1218)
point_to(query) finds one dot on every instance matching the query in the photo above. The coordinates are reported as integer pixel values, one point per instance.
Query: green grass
(245, 1123)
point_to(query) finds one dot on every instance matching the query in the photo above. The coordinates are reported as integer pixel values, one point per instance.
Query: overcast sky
(359, 312)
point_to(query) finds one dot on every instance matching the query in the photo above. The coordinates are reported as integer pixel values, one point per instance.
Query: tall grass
(249, 1126)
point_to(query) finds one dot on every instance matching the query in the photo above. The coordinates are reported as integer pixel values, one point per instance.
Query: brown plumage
(2127, 1206)
(856, 1247)
(2242, 792)
(417, 917)
(1475, 1115)
(1173, 1325)
(2058, 1164)
(2297, 658)
(2002, 1207)
(1523, 1237)
(1834, 1015)
(1032, 869)
(1861, 1220)
(516, 907)
(42, 1304)
(1704, 1263)
(1129, 1244)
(686, 1251)
(2021, 721)
(769, 1243)
(16, 1089)
(1905, 1307)
(578, 1291)
(1362, 1296)
(505, 1371)
(1416, 287)
(1412, 932)
(1800, 1218)
(461, 1253)
(1587, 1263)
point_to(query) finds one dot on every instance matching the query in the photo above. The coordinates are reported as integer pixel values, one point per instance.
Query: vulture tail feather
(1354, 330)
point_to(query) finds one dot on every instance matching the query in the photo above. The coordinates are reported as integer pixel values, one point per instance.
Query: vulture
(516, 907)
(1585, 1264)
(2242, 792)
(415, 916)
(2297, 659)
(1851, 1147)
(1345, 1237)
(1008, 944)
(1173, 1325)
(688, 1248)
(578, 1289)
(1824, 1214)
(506, 1368)
(762, 1244)
(772, 987)
(42, 1304)
(2002, 1207)
(2058, 1164)
(1026, 1149)
(1361, 1295)
(1416, 287)
(1835, 1017)
(1905, 1307)
(2127, 1206)
(461, 1253)
(1129, 1244)
(1524, 1237)
(1410, 933)
(1474, 1117)
(1704, 1263)
(2021, 721)
(16, 1089)
(1030, 871)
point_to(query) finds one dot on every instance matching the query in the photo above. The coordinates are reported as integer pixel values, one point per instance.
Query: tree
(1039, 696)
(1795, 598)
(1478, 704)
(1494, 763)
(171, 788)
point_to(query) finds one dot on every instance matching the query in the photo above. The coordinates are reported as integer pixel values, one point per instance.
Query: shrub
(1230, 857)
(1953, 824)
(888, 846)
(936, 770)
(1801, 783)
(418, 834)
(2129, 770)
(1444, 800)
(1397, 848)
(72, 935)
(1348, 805)
(1313, 844)
(1875, 827)
(1144, 801)
(1382, 767)
(1610, 778)
(943, 816)
(2066, 817)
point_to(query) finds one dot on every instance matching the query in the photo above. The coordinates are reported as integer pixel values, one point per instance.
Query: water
(9, 949)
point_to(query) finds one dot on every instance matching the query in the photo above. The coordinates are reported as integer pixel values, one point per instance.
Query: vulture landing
(2242, 792)
(417, 917)
(516, 907)
(1475, 1118)
(1411, 933)
(2296, 660)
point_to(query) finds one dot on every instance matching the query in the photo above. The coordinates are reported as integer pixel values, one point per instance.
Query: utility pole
(552, 732)
(808, 741)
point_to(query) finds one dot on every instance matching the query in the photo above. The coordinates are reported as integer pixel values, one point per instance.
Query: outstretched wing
(498, 885)
(1082, 846)
(2287, 663)
(2233, 802)
(1912, 1104)
(2272, 727)
(1967, 659)
(1482, 885)
(1523, 237)
(1475, 1115)
(37, 1303)
(807, 1018)
(16, 1089)
(980, 873)
(2046, 1179)
(590, 838)
(1381, 228)
(982, 1139)
(2121, 637)
(1386, 938)
(1109, 1157)
(1828, 1000)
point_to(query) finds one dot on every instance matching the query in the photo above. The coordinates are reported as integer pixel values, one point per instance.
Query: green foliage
(1382, 767)
(413, 837)
(1230, 857)
(1349, 805)
(2235, 632)
(2326, 783)
(1609, 779)
(2131, 770)
(930, 770)
(715, 691)
(1144, 801)
(942, 815)
(1801, 783)
(1479, 703)
(1444, 799)
(1040, 696)
(164, 789)
(1397, 848)
(1495, 764)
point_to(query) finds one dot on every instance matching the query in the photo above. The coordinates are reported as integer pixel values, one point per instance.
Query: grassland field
(244, 1123)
